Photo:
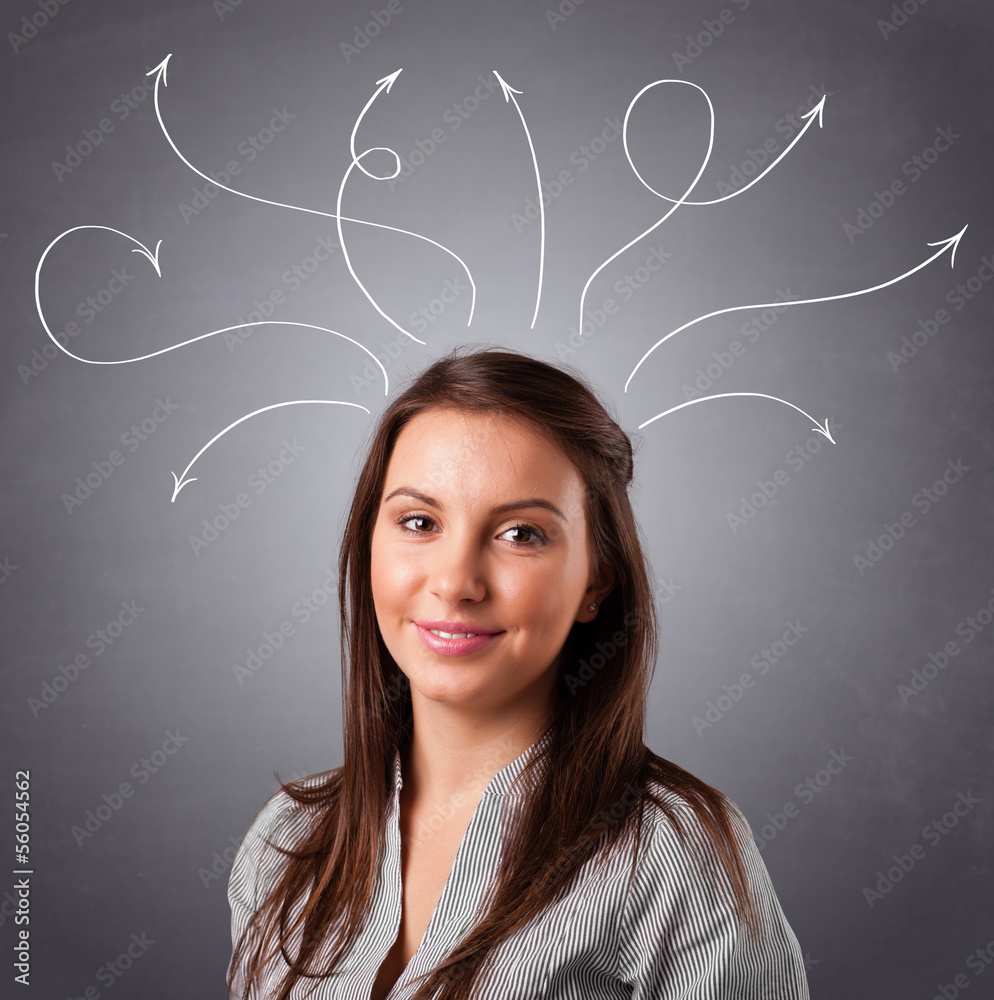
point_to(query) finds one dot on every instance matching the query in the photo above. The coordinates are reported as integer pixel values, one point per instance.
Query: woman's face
(443, 551)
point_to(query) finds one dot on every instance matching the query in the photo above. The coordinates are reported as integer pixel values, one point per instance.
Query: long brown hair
(595, 763)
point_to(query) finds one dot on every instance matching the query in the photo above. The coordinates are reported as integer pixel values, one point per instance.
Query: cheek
(391, 574)
(540, 596)
(380, 566)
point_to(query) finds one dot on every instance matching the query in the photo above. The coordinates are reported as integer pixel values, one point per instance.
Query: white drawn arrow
(822, 429)
(345, 250)
(341, 235)
(944, 245)
(182, 481)
(154, 258)
(383, 85)
(815, 114)
(676, 204)
(509, 93)
(160, 74)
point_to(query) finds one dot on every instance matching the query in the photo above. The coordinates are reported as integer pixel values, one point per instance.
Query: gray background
(731, 593)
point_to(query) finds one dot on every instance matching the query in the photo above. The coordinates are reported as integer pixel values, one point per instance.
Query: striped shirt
(671, 936)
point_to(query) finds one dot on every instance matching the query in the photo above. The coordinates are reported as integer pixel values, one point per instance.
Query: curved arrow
(824, 430)
(817, 110)
(160, 74)
(815, 114)
(944, 245)
(383, 85)
(154, 258)
(676, 204)
(509, 93)
(182, 481)
(345, 249)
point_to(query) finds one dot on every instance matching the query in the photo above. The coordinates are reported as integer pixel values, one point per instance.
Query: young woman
(498, 828)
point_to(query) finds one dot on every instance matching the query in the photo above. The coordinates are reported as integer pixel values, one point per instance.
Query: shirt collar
(502, 781)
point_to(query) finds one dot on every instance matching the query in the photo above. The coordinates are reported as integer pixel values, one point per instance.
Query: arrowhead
(818, 109)
(161, 70)
(953, 242)
(389, 80)
(506, 87)
(180, 485)
(826, 431)
(154, 258)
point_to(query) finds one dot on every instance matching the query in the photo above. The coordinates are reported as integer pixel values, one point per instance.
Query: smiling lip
(445, 625)
(478, 638)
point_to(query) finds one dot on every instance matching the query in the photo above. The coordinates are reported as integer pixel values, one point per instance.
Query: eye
(532, 532)
(534, 536)
(402, 521)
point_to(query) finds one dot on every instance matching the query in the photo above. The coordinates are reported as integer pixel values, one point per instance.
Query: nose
(457, 572)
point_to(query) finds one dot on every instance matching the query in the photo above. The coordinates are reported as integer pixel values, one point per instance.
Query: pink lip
(452, 647)
(447, 625)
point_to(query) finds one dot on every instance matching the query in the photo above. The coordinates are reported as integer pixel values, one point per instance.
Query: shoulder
(679, 828)
(281, 815)
(281, 822)
(690, 856)
(283, 818)
(680, 923)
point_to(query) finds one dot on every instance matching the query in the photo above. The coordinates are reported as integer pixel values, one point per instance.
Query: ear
(599, 588)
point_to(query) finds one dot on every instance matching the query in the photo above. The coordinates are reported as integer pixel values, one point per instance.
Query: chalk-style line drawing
(822, 429)
(154, 258)
(160, 73)
(509, 93)
(182, 481)
(815, 114)
(693, 183)
(382, 85)
(944, 245)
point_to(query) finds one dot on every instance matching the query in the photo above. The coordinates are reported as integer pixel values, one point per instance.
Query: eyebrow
(500, 509)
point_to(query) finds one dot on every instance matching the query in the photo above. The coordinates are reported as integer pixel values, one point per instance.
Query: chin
(454, 680)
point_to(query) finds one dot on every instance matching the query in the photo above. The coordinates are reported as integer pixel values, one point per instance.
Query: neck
(448, 762)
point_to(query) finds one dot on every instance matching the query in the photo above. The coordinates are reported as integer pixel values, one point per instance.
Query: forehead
(459, 454)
